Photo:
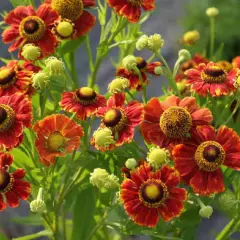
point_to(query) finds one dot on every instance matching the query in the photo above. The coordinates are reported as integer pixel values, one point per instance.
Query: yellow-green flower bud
(157, 157)
(38, 205)
(206, 212)
(212, 12)
(155, 42)
(129, 62)
(99, 177)
(131, 163)
(31, 52)
(65, 29)
(181, 86)
(55, 66)
(142, 42)
(158, 70)
(118, 85)
(40, 80)
(103, 137)
(184, 55)
(190, 37)
(237, 80)
(113, 182)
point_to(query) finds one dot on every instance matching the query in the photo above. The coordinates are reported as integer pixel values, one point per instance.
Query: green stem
(95, 70)
(233, 112)
(45, 233)
(212, 36)
(228, 230)
(144, 91)
(151, 58)
(73, 69)
(89, 53)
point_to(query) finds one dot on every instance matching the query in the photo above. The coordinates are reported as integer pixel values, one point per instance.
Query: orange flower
(132, 76)
(15, 113)
(14, 78)
(12, 187)
(74, 10)
(146, 195)
(120, 119)
(210, 78)
(28, 26)
(171, 121)
(131, 9)
(198, 161)
(84, 101)
(57, 136)
(236, 62)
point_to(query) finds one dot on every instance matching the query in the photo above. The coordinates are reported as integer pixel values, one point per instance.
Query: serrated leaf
(72, 45)
(83, 213)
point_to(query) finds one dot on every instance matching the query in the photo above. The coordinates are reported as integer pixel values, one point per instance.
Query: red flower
(14, 78)
(147, 194)
(131, 9)
(170, 121)
(84, 101)
(132, 76)
(75, 11)
(12, 187)
(28, 26)
(121, 119)
(199, 160)
(15, 113)
(210, 78)
(57, 136)
(236, 62)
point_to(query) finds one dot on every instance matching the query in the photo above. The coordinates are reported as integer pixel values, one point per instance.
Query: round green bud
(157, 157)
(118, 85)
(65, 29)
(206, 212)
(99, 177)
(131, 163)
(55, 66)
(103, 137)
(212, 12)
(113, 182)
(38, 206)
(158, 70)
(155, 42)
(142, 42)
(129, 62)
(31, 52)
(40, 80)
(184, 55)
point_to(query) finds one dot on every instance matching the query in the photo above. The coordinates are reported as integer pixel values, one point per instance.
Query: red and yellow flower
(12, 187)
(120, 119)
(210, 78)
(134, 81)
(236, 62)
(198, 161)
(74, 10)
(15, 114)
(147, 195)
(171, 121)
(131, 9)
(84, 101)
(57, 136)
(29, 26)
(14, 78)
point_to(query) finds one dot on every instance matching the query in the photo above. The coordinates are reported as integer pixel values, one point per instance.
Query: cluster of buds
(102, 179)
(153, 42)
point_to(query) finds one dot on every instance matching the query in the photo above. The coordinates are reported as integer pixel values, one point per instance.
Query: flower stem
(228, 229)
(212, 36)
(73, 69)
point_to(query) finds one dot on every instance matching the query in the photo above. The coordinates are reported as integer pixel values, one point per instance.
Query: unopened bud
(55, 66)
(38, 205)
(129, 62)
(206, 212)
(212, 12)
(31, 52)
(157, 157)
(40, 80)
(155, 42)
(131, 163)
(118, 85)
(142, 42)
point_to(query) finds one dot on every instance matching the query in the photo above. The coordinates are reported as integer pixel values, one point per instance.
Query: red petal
(179, 194)
(203, 133)
(84, 23)
(18, 43)
(12, 199)
(5, 160)
(117, 100)
(201, 117)
(153, 110)
(22, 189)
(232, 160)
(170, 102)
(88, 3)
(10, 34)
(47, 14)
(2, 203)
(131, 12)
(148, 5)
(169, 176)
(19, 173)
(134, 112)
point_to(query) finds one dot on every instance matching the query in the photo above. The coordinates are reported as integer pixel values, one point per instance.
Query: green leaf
(83, 213)
(33, 220)
(3, 237)
(16, 3)
(72, 45)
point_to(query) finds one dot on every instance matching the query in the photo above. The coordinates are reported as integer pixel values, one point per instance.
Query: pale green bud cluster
(40, 80)
(157, 157)
(55, 66)
(103, 137)
(118, 85)
(153, 42)
(31, 52)
(129, 62)
(131, 163)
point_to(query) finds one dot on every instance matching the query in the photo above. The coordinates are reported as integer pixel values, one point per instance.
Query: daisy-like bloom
(171, 121)
(28, 26)
(133, 77)
(84, 101)
(15, 113)
(236, 62)
(14, 78)
(57, 136)
(81, 20)
(12, 187)
(131, 9)
(120, 119)
(210, 78)
(147, 195)
(225, 65)
(199, 160)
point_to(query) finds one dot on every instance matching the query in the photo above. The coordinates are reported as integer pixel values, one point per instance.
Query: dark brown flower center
(5, 179)
(213, 74)
(7, 117)
(7, 77)
(141, 63)
(175, 122)
(32, 28)
(153, 193)
(209, 156)
(86, 95)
